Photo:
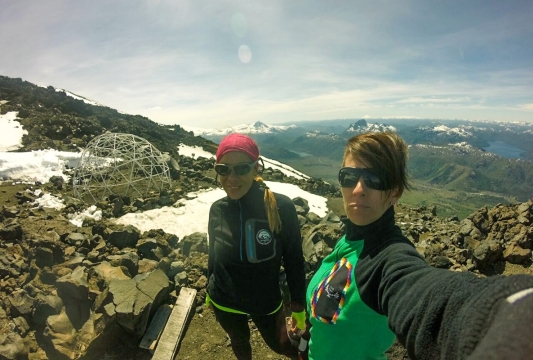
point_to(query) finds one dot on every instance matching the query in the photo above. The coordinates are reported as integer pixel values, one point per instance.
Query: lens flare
(245, 54)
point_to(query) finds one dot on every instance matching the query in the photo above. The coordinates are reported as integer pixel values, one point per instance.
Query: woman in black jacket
(252, 233)
(375, 286)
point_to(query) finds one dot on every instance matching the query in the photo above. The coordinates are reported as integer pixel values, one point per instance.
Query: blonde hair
(271, 207)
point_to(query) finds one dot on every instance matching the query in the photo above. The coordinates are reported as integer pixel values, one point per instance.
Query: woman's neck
(363, 232)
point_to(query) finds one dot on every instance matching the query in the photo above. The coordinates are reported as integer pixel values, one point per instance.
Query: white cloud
(178, 62)
(425, 100)
(528, 107)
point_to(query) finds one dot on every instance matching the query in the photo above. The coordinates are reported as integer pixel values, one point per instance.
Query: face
(236, 186)
(362, 204)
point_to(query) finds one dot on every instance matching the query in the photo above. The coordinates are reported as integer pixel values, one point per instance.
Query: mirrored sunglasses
(239, 169)
(349, 176)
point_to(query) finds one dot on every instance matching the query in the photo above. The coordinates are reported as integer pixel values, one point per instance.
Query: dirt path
(205, 340)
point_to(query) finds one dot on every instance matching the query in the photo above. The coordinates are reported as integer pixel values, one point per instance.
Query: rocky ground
(61, 285)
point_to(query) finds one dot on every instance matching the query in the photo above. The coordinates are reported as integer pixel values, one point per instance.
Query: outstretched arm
(439, 313)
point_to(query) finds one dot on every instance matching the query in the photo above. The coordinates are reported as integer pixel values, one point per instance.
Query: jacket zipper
(242, 232)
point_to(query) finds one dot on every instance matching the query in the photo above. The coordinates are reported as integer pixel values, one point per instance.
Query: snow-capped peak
(256, 128)
(362, 126)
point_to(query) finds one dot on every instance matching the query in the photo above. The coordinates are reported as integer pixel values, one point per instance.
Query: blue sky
(228, 62)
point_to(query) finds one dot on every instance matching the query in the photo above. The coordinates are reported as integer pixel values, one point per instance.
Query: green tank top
(343, 326)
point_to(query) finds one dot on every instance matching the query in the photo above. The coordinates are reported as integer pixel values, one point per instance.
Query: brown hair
(386, 153)
(271, 207)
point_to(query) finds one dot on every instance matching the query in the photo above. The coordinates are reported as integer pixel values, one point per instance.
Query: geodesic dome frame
(120, 164)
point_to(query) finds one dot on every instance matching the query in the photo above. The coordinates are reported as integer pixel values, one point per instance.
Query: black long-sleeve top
(435, 313)
(245, 257)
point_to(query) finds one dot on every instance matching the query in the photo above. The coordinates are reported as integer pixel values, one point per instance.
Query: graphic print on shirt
(260, 243)
(328, 298)
(263, 237)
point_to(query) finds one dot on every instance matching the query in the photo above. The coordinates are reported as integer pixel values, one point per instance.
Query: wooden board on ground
(170, 338)
(152, 334)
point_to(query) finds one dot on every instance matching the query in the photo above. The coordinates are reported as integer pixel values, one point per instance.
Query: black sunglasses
(240, 169)
(349, 176)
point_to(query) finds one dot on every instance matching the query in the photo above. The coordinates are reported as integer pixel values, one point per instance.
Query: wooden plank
(167, 345)
(152, 334)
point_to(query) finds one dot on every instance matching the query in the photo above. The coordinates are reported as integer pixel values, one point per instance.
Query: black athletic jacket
(245, 258)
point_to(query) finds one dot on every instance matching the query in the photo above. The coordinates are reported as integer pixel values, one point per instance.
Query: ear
(394, 196)
(260, 166)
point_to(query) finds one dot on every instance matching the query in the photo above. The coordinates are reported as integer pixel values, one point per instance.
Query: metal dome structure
(120, 164)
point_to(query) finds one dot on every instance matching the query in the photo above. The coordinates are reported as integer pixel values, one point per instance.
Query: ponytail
(271, 207)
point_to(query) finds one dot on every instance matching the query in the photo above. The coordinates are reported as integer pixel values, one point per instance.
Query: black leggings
(271, 327)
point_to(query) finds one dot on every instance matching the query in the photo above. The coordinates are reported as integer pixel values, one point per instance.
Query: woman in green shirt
(375, 285)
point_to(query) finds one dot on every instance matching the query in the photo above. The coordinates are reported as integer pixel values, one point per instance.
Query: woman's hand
(298, 321)
(208, 302)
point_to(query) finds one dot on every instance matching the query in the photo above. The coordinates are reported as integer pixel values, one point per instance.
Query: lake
(504, 150)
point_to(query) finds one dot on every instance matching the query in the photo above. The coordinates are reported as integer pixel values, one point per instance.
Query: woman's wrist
(295, 307)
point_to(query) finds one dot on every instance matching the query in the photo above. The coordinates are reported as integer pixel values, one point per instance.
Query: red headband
(240, 143)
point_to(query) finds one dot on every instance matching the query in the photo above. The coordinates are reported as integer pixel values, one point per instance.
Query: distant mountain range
(445, 153)
(323, 138)
(451, 154)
